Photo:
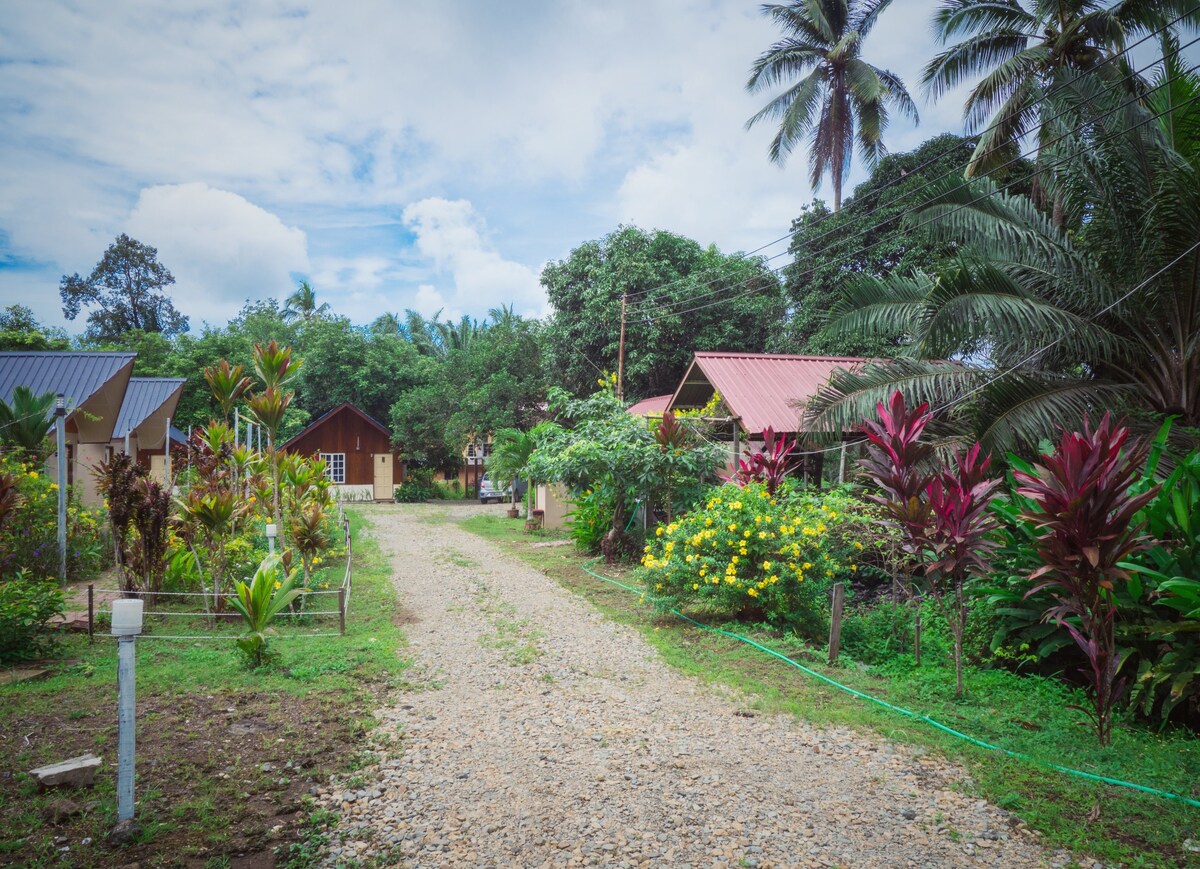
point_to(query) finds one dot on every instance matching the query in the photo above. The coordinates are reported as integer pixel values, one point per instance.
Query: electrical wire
(1049, 165)
(930, 161)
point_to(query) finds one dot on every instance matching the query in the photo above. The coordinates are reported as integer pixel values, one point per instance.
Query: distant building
(143, 425)
(357, 450)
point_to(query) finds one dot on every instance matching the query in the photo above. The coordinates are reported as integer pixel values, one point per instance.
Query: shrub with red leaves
(768, 466)
(1084, 519)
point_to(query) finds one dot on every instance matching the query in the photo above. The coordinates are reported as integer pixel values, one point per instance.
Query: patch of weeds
(455, 558)
(310, 844)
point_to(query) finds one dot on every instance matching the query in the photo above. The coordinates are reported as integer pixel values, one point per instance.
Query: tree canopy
(125, 290)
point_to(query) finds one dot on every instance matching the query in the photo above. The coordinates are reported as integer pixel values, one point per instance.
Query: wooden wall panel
(345, 432)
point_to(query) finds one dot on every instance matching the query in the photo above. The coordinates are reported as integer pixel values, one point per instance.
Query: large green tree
(1022, 49)
(682, 298)
(125, 289)
(1049, 322)
(20, 330)
(832, 97)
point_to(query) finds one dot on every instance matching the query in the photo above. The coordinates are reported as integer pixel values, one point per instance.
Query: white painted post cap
(126, 617)
(272, 530)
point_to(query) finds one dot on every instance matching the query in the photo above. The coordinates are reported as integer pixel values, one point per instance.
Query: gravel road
(539, 733)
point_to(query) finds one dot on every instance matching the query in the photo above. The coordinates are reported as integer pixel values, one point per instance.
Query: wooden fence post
(91, 611)
(835, 622)
(342, 610)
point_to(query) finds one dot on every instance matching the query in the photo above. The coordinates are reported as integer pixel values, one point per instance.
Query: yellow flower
(670, 545)
(807, 565)
(33, 475)
(753, 592)
(854, 568)
(658, 532)
(695, 586)
(278, 585)
(733, 559)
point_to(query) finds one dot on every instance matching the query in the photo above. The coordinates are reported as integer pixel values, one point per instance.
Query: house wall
(553, 501)
(87, 458)
(345, 432)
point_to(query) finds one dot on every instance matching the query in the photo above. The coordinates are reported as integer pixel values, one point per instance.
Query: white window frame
(335, 467)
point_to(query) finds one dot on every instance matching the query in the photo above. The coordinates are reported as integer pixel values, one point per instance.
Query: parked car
(488, 491)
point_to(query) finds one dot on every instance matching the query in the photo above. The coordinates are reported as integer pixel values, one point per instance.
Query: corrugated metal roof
(144, 396)
(76, 375)
(762, 389)
(654, 406)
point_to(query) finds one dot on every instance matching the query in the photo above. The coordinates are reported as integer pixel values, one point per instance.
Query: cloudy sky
(425, 154)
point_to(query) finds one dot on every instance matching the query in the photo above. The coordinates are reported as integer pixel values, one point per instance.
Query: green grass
(200, 778)
(1021, 713)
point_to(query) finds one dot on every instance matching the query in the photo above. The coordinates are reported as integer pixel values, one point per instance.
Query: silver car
(489, 492)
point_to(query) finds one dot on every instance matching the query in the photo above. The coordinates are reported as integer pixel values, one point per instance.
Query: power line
(1053, 91)
(1042, 168)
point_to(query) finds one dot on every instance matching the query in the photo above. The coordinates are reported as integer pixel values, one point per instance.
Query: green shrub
(589, 519)
(26, 607)
(744, 552)
(417, 487)
(29, 540)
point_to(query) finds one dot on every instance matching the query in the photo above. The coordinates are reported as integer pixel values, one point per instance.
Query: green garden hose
(906, 712)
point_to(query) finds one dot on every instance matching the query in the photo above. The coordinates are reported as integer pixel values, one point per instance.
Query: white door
(158, 468)
(383, 476)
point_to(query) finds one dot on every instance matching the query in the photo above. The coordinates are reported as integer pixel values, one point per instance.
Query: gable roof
(78, 376)
(344, 406)
(761, 389)
(143, 397)
(653, 406)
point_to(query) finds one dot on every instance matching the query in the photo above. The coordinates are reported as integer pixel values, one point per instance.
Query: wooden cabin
(360, 460)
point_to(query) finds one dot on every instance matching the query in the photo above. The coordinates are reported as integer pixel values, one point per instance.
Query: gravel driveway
(540, 733)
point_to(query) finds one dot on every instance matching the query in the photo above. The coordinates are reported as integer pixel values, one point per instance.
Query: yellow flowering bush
(759, 557)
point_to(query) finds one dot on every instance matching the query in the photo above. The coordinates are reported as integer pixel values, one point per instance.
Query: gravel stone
(533, 731)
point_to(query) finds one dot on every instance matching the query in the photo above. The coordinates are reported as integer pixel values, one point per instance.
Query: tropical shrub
(417, 487)
(590, 519)
(1085, 511)
(769, 466)
(27, 605)
(269, 593)
(758, 556)
(29, 539)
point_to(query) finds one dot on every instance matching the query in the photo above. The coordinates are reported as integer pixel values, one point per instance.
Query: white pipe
(126, 726)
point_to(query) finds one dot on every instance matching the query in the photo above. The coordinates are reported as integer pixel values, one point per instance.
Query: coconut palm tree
(1052, 322)
(833, 97)
(302, 305)
(1023, 47)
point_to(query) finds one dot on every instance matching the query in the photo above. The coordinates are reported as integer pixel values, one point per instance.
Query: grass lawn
(225, 755)
(1023, 714)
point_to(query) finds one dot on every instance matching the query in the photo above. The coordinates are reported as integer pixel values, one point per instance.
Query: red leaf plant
(958, 541)
(769, 465)
(897, 462)
(1084, 520)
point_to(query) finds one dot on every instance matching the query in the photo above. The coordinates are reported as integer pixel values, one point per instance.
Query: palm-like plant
(511, 451)
(832, 96)
(1054, 320)
(228, 384)
(302, 305)
(269, 408)
(1022, 48)
(25, 421)
(274, 365)
(268, 594)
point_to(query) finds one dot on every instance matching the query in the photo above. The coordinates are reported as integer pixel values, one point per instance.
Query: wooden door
(382, 463)
(158, 468)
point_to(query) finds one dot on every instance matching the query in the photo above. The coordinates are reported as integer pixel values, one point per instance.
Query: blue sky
(427, 155)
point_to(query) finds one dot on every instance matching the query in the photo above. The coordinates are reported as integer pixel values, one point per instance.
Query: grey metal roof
(144, 396)
(76, 375)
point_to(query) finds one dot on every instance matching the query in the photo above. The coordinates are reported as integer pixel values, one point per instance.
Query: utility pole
(621, 351)
(60, 428)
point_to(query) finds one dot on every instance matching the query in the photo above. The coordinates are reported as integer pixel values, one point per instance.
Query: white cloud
(221, 248)
(452, 236)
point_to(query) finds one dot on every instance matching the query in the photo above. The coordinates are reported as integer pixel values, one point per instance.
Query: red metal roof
(761, 389)
(653, 406)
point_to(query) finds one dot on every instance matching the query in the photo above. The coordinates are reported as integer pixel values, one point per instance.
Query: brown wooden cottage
(357, 451)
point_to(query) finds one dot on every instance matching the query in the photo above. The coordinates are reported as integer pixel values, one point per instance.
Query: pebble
(587, 749)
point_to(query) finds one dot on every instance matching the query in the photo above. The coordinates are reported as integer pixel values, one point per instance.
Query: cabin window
(335, 467)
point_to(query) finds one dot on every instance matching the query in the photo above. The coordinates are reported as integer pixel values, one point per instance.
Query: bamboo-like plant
(1085, 522)
(269, 593)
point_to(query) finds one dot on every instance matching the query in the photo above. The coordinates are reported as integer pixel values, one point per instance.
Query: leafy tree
(126, 288)
(1023, 48)
(682, 298)
(302, 305)
(20, 330)
(1103, 311)
(833, 96)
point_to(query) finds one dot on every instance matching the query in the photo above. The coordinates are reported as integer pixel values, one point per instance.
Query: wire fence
(211, 611)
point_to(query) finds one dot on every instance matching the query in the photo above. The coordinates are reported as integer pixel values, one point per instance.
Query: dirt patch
(404, 616)
(219, 776)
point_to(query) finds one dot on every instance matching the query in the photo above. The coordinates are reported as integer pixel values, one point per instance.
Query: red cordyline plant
(897, 462)
(958, 541)
(769, 465)
(1085, 529)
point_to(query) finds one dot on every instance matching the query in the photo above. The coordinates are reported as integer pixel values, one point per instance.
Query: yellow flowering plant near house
(746, 553)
